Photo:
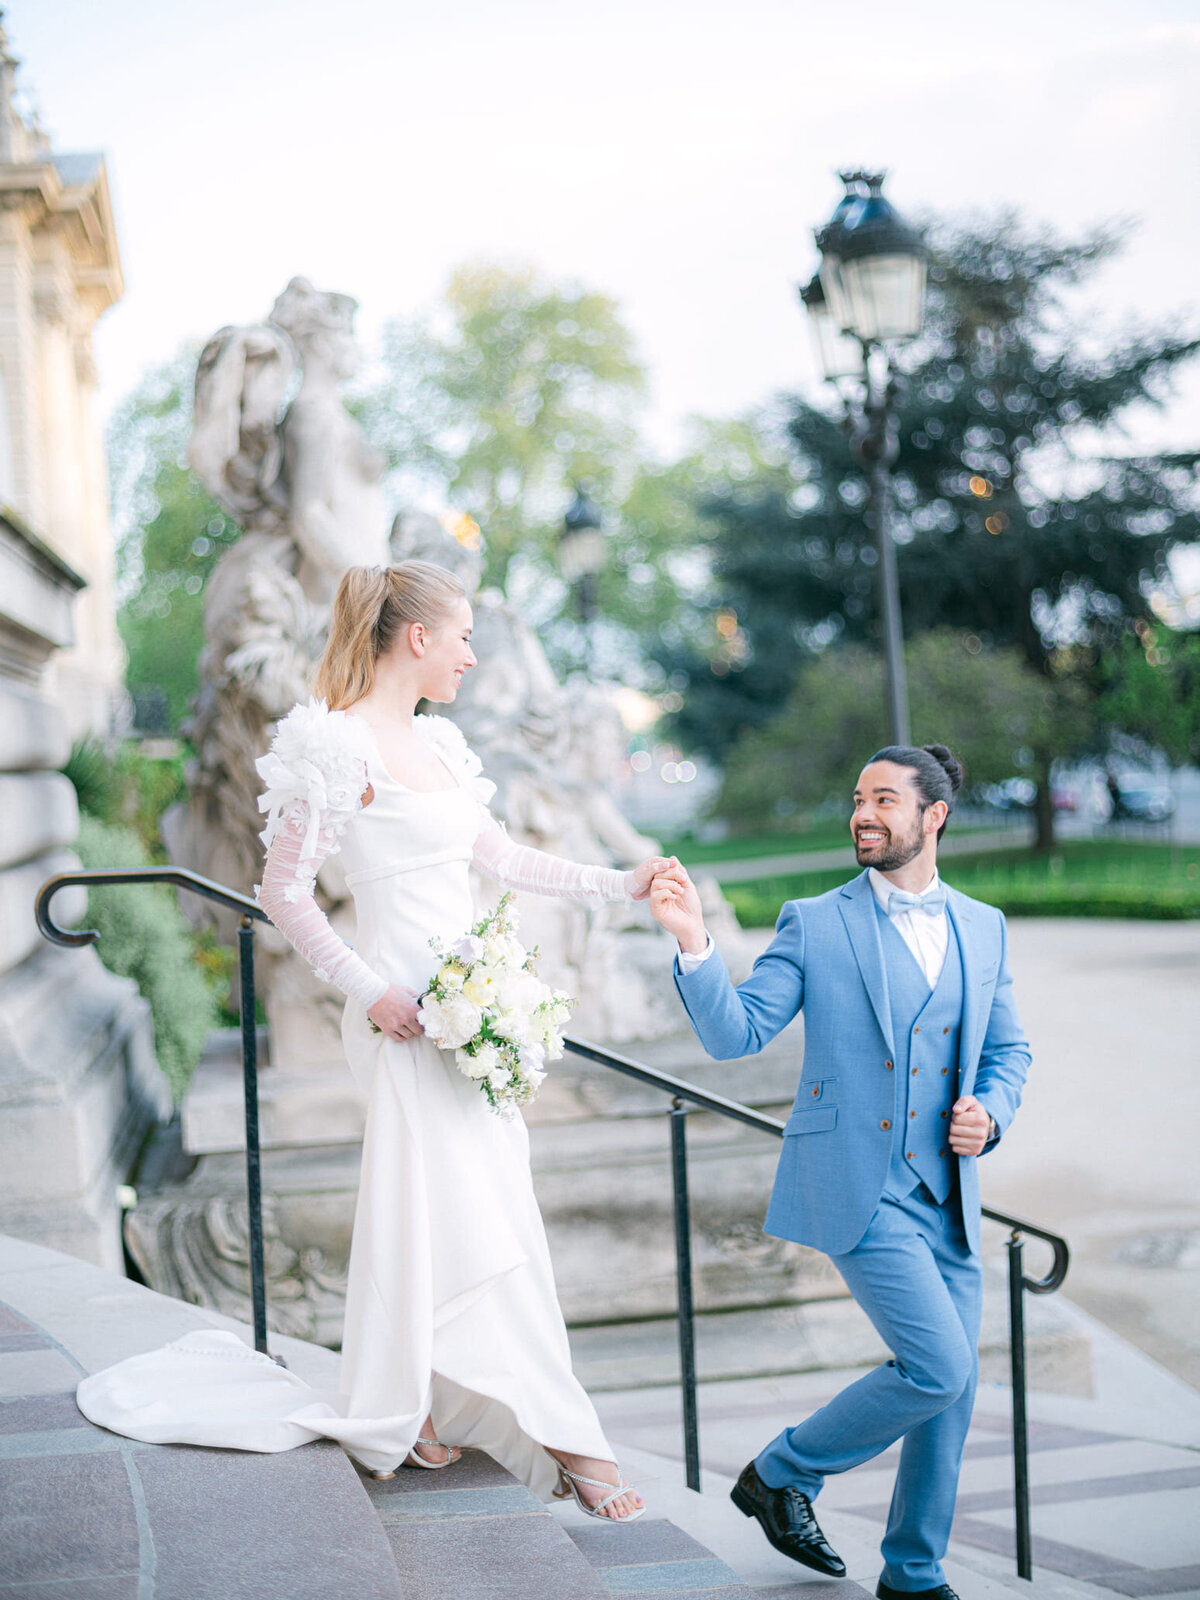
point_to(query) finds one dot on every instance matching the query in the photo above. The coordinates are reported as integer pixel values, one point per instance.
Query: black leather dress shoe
(943, 1592)
(786, 1517)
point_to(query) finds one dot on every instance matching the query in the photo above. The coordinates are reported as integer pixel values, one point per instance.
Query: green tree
(170, 533)
(996, 713)
(1008, 528)
(512, 390)
(1151, 690)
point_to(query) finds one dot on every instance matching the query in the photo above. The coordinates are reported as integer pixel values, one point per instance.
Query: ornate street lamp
(870, 293)
(581, 551)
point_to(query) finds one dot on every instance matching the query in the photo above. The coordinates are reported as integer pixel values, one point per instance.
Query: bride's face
(447, 655)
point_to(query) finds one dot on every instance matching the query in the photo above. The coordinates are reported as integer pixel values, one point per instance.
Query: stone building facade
(79, 1083)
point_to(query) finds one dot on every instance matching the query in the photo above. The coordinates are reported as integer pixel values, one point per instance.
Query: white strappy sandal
(453, 1454)
(568, 1488)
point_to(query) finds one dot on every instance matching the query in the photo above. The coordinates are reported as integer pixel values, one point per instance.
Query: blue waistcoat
(926, 1025)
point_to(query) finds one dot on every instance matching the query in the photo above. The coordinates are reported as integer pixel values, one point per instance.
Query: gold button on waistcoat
(912, 1114)
(885, 1125)
(889, 1065)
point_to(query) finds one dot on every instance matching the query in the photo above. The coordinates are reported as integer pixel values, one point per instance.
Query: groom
(913, 1064)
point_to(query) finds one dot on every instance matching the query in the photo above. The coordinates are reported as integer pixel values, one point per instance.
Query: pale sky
(673, 153)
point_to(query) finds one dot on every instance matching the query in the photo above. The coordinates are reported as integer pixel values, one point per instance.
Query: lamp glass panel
(886, 295)
(836, 299)
(838, 354)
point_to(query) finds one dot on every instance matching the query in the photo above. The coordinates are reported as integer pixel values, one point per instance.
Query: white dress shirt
(926, 936)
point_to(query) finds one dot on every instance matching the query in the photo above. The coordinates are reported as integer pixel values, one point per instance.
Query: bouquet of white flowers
(487, 1004)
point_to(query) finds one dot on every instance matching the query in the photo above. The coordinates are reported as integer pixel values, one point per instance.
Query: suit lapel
(959, 912)
(857, 906)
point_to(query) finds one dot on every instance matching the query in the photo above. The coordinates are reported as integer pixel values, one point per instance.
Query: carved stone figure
(553, 751)
(304, 482)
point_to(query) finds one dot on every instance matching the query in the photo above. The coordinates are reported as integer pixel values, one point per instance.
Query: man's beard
(893, 853)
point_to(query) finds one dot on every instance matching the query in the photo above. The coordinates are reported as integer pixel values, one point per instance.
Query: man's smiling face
(887, 822)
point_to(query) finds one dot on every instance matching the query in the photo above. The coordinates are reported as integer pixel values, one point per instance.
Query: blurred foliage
(1014, 525)
(996, 713)
(1151, 690)
(170, 534)
(508, 393)
(143, 936)
(123, 786)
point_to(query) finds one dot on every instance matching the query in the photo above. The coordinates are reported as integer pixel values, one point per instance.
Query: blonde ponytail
(372, 607)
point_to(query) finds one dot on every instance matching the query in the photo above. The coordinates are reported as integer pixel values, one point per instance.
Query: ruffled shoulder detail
(315, 771)
(447, 739)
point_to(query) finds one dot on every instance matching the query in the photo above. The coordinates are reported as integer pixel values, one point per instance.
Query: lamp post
(869, 293)
(581, 554)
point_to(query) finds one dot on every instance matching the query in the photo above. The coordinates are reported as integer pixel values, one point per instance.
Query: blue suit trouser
(914, 1275)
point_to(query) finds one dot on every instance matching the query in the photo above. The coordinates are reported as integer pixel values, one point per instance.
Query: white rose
(469, 948)
(518, 991)
(473, 1065)
(533, 1057)
(499, 1078)
(450, 978)
(482, 984)
(454, 1020)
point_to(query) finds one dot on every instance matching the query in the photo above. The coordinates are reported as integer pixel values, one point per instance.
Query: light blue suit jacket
(827, 960)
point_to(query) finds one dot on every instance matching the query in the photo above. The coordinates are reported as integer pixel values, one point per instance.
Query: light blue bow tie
(932, 902)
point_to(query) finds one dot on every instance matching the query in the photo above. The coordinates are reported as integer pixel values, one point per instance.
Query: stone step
(475, 1533)
(653, 1557)
(824, 1334)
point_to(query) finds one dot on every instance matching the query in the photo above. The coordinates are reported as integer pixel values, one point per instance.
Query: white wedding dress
(451, 1305)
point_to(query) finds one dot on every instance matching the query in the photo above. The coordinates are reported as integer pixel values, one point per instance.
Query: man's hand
(969, 1124)
(643, 876)
(394, 1014)
(676, 904)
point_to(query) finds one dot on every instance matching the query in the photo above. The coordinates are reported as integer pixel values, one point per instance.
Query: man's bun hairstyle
(937, 774)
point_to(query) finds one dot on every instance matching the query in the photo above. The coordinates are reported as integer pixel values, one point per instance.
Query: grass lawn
(1081, 878)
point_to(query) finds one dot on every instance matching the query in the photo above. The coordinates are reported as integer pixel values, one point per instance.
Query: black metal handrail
(683, 1095)
(681, 1092)
(251, 912)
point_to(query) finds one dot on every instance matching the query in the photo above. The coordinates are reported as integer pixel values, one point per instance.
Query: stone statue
(553, 751)
(304, 482)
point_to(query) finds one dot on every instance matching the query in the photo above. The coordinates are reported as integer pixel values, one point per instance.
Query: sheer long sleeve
(286, 895)
(314, 778)
(520, 866)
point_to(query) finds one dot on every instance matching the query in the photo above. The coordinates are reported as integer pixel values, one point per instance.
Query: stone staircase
(475, 1533)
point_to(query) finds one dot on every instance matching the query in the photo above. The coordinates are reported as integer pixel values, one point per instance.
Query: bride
(453, 1333)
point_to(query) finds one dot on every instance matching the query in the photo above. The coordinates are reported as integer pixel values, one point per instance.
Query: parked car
(1141, 798)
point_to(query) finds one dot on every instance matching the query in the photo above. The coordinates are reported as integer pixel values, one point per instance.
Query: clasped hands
(675, 903)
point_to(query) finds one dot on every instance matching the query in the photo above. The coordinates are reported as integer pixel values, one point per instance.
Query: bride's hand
(394, 1014)
(644, 875)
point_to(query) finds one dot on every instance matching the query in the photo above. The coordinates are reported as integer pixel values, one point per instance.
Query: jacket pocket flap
(812, 1119)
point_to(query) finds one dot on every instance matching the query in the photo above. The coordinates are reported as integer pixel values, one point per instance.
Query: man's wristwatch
(993, 1131)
